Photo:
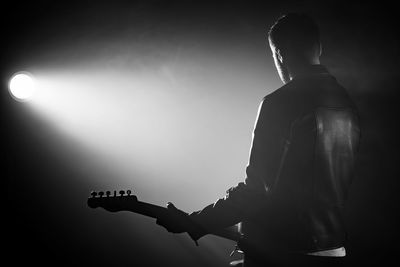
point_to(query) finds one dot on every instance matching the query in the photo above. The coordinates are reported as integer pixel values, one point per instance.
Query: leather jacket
(300, 168)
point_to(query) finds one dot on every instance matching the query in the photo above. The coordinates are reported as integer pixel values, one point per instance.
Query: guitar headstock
(112, 201)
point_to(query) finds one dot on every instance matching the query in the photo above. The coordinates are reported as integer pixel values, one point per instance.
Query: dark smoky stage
(160, 97)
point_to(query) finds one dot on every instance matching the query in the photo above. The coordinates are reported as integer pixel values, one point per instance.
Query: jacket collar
(312, 70)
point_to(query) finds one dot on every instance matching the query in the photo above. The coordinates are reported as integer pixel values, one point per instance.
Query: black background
(362, 51)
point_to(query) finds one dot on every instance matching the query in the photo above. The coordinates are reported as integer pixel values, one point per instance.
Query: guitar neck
(130, 203)
(149, 210)
(155, 211)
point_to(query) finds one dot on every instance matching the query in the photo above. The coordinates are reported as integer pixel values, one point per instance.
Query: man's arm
(248, 197)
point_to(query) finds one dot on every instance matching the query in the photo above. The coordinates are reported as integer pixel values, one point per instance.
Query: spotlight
(21, 86)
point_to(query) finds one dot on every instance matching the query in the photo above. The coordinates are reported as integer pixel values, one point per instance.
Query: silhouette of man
(301, 164)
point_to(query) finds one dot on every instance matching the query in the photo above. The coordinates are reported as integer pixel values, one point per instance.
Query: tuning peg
(94, 194)
(101, 193)
(115, 193)
(122, 192)
(128, 192)
(108, 193)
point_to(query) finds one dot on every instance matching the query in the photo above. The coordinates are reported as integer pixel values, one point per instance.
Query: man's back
(307, 172)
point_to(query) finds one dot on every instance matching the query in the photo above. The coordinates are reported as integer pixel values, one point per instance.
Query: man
(301, 163)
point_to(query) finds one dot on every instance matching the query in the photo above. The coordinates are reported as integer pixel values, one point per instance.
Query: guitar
(125, 201)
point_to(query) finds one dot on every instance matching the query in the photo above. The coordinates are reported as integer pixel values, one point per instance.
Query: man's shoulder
(278, 94)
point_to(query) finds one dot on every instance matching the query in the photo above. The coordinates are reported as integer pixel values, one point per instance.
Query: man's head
(294, 41)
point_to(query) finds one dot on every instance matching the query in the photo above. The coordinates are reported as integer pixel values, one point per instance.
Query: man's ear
(279, 55)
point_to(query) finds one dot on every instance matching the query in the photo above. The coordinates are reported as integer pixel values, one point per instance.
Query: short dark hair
(295, 30)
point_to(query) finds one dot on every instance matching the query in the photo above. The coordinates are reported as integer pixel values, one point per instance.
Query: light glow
(21, 86)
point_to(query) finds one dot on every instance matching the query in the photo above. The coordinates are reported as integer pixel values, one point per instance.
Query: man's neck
(300, 69)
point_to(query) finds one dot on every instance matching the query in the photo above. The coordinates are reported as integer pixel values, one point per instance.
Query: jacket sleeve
(246, 199)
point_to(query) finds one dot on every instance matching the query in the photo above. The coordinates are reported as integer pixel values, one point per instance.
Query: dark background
(360, 48)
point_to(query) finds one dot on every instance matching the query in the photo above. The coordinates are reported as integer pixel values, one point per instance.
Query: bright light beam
(21, 86)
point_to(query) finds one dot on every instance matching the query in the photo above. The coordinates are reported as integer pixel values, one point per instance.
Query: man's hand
(176, 221)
